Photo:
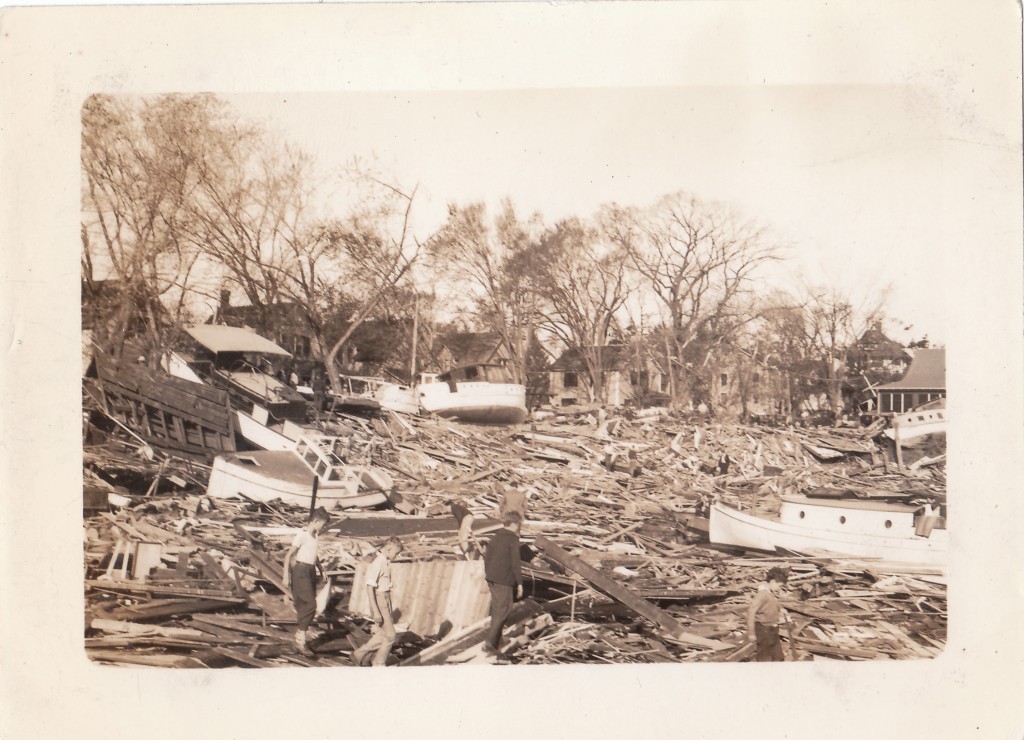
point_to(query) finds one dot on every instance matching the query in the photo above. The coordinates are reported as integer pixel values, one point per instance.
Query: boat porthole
(888, 523)
(802, 515)
(842, 520)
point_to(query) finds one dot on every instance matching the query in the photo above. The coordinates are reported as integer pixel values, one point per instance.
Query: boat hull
(475, 402)
(729, 526)
(279, 475)
(399, 398)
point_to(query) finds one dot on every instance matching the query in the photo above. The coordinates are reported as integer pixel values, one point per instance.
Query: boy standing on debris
(512, 500)
(503, 571)
(764, 616)
(302, 575)
(378, 585)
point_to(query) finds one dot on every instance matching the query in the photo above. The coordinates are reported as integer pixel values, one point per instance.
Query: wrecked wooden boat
(479, 394)
(289, 475)
(892, 532)
(184, 416)
(234, 359)
(354, 397)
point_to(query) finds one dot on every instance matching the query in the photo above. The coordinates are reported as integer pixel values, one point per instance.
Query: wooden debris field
(618, 568)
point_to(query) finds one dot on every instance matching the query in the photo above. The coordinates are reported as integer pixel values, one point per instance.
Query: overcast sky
(847, 177)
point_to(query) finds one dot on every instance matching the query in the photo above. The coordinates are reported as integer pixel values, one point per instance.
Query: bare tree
(138, 177)
(582, 279)
(250, 216)
(372, 251)
(698, 260)
(490, 260)
(834, 323)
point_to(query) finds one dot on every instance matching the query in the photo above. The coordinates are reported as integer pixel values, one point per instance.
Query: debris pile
(618, 567)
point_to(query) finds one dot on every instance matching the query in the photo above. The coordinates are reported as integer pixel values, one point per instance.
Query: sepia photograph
(555, 360)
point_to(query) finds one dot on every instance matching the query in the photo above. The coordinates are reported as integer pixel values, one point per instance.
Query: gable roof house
(924, 381)
(466, 348)
(874, 359)
(627, 379)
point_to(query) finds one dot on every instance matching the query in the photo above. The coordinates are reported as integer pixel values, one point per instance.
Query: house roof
(218, 338)
(616, 357)
(927, 371)
(874, 342)
(472, 347)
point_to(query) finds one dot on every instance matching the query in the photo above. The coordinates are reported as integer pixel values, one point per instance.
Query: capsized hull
(729, 526)
(475, 402)
(268, 475)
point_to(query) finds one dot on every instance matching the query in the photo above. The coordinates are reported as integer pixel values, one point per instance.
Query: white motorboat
(288, 475)
(480, 394)
(895, 533)
(927, 419)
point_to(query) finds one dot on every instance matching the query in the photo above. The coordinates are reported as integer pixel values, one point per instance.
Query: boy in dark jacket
(503, 572)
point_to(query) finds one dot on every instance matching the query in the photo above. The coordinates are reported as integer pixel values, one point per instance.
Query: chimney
(225, 304)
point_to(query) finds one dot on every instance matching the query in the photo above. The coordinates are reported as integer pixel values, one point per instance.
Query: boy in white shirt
(302, 575)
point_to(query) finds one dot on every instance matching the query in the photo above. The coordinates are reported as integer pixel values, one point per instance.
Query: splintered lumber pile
(616, 560)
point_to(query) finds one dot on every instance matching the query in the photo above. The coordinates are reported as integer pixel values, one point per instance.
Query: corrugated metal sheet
(430, 593)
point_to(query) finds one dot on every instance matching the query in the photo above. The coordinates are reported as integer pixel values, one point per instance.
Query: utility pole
(415, 336)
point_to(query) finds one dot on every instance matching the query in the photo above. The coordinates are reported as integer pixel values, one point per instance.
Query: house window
(723, 379)
(570, 380)
(756, 378)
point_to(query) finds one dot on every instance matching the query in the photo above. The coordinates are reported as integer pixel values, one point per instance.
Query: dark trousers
(501, 604)
(304, 593)
(769, 647)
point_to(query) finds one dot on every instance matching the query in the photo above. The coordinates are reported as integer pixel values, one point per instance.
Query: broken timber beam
(267, 566)
(622, 594)
(439, 652)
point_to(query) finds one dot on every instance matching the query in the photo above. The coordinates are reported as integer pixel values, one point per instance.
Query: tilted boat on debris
(927, 419)
(480, 394)
(288, 475)
(234, 359)
(893, 532)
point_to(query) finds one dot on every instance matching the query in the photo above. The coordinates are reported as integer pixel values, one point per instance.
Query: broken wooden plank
(620, 593)
(470, 635)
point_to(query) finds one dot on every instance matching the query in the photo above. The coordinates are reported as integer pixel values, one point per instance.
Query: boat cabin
(856, 516)
(476, 374)
(324, 456)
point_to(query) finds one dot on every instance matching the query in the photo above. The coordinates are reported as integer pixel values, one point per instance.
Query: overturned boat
(315, 466)
(892, 532)
(479, 394)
